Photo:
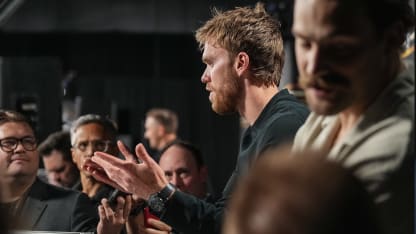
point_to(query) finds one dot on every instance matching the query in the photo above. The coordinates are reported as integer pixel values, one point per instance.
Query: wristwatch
(157, 201)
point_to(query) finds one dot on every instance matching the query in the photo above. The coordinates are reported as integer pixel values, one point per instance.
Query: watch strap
(167, 192)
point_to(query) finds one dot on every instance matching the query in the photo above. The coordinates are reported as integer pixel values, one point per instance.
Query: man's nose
(205, 78)
(175, 180)
(314, 61)
(90, 149)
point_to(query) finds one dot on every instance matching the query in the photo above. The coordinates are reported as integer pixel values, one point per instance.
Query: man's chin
(222, 109)
(87, 174)
(323, 107)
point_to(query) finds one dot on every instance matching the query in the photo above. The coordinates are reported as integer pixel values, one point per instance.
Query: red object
(148, 215)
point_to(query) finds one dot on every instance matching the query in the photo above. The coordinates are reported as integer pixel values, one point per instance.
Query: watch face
(156, 203)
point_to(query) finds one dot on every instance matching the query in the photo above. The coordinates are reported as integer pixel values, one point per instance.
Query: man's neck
(13, 188)
(351, 115)
(89, 185)
(166, 140)
(255, 100)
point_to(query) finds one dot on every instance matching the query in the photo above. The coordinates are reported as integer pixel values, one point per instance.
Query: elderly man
(90, 133)
(361, 95)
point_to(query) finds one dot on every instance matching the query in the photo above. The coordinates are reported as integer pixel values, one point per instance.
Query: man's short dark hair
(7, 116)
(59, 141)
(195, 152)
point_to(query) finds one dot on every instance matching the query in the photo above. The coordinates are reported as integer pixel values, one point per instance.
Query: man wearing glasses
(90, 133)
(36, 205)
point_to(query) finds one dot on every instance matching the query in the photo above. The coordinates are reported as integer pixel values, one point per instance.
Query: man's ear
(160, 130)
(242, 62)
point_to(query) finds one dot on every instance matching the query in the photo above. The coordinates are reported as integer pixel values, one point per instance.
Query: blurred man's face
(153, 132)
(89, 138)
(338, 54)
(60, 172)
(182, 171)
(20, 162)
(221, 80)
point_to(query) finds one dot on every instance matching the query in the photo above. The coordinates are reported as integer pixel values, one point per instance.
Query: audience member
(361, 95)
(161, 126)
(243, 53)
(90, 133)
(55, 151)
(184, 167)
(35, 204)
(300, 195)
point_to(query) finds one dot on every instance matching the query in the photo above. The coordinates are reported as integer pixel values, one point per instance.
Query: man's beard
(334, 89)
(324, 81)
(227, 99)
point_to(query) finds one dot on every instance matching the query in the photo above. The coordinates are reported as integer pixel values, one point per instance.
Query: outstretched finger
(102, 214)
(107, 161)
(91, 166)
(143, 155)
(127, 206)
(107, 209)
(125, 151)
(120, 208)
(102, 177)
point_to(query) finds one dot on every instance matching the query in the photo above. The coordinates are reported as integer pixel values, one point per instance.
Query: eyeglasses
(97, 145)
(10, 144)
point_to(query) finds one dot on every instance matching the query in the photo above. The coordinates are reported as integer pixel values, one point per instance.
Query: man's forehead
(177, 153)
(10, 129)
(314, 18)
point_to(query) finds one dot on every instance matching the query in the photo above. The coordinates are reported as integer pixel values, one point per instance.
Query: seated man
(37, 205)
(300, 195)
(242, 74)
(55, 151)
(361, 95)
(184, 167)
(31, 204)
(90, 133)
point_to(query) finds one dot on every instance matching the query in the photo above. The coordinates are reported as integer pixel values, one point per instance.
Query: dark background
(119, 58)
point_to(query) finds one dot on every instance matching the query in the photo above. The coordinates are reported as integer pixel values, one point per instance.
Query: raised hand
(140, 179)
(113, 220)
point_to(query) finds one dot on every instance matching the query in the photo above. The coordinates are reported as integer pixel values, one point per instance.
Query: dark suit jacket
(49, 208)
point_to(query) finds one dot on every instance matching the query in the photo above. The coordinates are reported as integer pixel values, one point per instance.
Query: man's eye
(28, 141)
(82, 145)
(7, 143)
(183, 174)
(59, 170)
(99, 145)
